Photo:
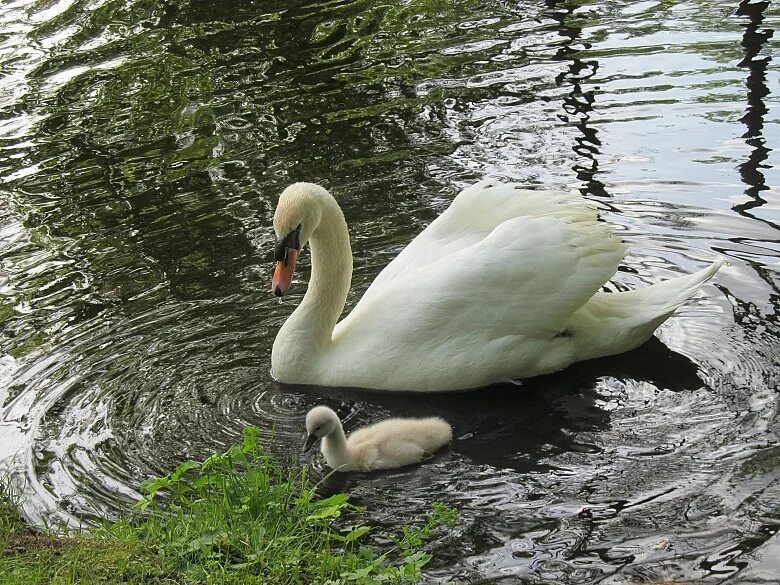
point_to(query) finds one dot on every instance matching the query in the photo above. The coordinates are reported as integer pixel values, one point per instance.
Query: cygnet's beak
(283, 273)
(310, 440)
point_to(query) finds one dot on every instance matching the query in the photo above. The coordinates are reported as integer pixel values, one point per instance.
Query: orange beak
(283, 273)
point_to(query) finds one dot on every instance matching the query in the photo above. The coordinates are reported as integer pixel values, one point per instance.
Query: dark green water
(142, 148)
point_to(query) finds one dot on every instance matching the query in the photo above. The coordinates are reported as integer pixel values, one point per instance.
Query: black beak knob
(310, 440)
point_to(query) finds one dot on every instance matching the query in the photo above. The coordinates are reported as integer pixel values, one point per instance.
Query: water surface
(142, 149)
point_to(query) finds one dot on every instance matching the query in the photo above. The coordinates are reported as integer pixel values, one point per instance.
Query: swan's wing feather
(525, 278)
(472, 215)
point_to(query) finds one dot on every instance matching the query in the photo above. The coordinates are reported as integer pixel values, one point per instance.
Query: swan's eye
(290, 241)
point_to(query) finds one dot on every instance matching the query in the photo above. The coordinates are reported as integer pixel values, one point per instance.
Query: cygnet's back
(396, 442)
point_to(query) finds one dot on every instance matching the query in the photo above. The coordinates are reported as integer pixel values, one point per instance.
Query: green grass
(237, 517)
(33, 556)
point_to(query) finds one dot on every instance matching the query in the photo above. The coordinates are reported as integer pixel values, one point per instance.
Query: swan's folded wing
(525, 278)
(473, 214)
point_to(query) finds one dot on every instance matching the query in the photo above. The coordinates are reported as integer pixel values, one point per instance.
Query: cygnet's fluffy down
(392, 443)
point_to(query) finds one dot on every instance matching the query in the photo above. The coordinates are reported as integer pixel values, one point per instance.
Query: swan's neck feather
(307, 333)
(336, 450)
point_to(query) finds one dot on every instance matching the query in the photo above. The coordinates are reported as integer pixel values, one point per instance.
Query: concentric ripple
(142, 146)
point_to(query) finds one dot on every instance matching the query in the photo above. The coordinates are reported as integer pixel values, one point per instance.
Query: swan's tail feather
(667, 296)
(624, 320)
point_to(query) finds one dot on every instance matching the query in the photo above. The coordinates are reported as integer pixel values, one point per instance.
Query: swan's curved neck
(331, 271)
(334, 447)
(309, 330)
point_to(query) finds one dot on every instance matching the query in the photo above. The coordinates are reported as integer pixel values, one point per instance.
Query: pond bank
(237, 517)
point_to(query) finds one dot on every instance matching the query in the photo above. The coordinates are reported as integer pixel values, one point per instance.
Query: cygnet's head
(320, 422)
(297, 215)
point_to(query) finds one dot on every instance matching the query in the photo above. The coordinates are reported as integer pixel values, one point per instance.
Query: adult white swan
(503, 285)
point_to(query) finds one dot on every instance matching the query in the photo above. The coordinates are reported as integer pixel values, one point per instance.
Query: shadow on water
(530, 419)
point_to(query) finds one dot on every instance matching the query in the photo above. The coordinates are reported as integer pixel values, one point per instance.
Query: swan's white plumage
(388, 444)
(504, 284)
(474, 213)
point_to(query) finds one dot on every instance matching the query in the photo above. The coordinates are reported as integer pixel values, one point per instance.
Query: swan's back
(473, 214)
(492, 310)
(396, 442)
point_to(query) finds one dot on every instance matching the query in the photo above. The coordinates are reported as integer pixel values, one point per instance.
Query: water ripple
(142, 147)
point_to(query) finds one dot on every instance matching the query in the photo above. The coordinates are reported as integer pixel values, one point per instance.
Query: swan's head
(321, 421)
(297, 215)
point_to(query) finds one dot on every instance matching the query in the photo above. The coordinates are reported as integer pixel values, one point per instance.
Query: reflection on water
(753, 40)
(578, 104)
(142, 147)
